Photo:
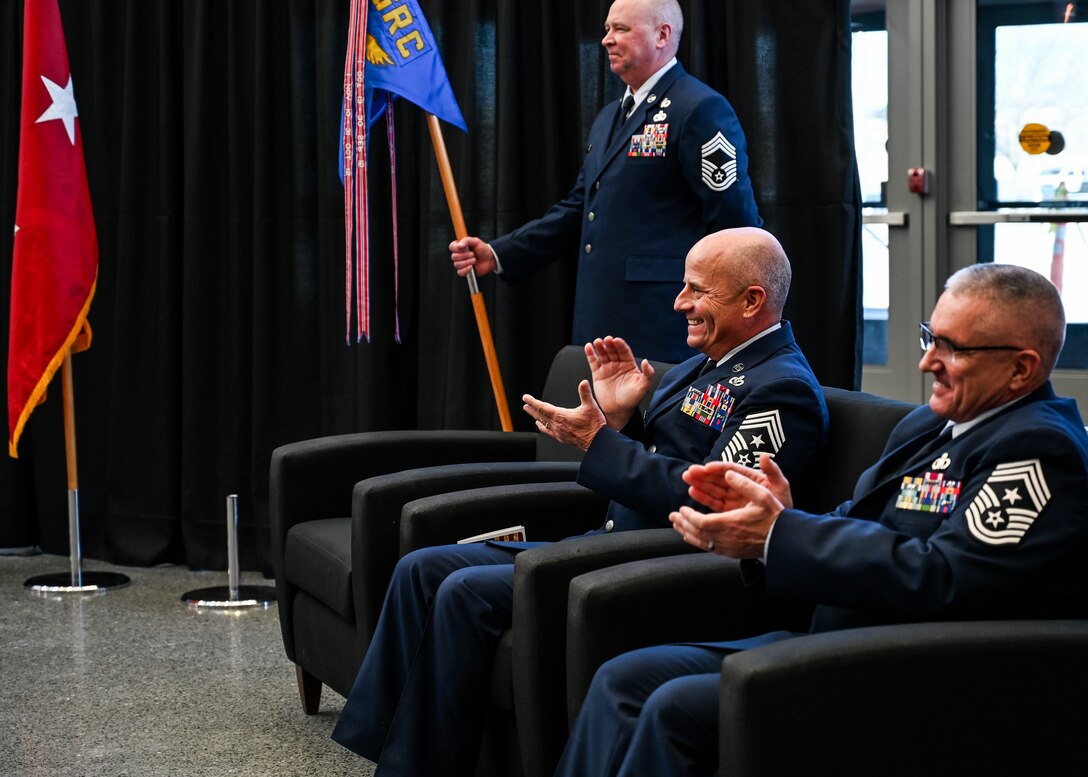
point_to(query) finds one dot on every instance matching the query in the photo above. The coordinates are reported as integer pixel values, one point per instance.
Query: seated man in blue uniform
(417, 707)
(976, 510)
(676, 142)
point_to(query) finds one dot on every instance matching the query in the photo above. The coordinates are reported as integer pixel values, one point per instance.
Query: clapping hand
(747, 501)
(619, 382)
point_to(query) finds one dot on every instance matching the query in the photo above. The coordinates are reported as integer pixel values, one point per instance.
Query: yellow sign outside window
(1035, 138)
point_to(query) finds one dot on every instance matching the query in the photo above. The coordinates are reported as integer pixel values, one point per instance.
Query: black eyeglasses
(948, 349)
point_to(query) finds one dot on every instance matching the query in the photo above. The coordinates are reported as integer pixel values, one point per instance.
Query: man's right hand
(471, 253)
(708, 484)
(619, 382)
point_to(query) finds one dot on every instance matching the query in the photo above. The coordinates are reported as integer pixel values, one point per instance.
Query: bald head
(641, 36)
(1023, 307)
(735, 286)
(749, 256)
(656, 13)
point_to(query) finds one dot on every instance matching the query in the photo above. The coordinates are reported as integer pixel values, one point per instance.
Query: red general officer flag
(55, 261)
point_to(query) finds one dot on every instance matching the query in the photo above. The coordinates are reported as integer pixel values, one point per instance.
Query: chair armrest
(313, 479)
(689, 598)
(549, 512)
(541, 580)
(376, 508)
(979, 698)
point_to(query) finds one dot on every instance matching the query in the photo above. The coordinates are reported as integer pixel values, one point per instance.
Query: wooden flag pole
(77, 580)
(459, 228)
(74, 548)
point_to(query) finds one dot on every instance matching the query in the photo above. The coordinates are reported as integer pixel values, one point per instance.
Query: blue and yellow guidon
(394, 34)
(402, 60)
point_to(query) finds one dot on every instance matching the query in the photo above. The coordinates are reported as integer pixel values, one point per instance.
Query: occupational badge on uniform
(651, 142)
(738, 367)
(660, 116)
(930, 493)
(719, 165)
(736, 380)
(1009, 502)
(942, 462)
(650, 100)
(710, 406)
(758, 433)
(666, 103)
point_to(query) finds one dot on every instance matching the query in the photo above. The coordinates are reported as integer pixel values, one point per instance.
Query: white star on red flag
(63, 107)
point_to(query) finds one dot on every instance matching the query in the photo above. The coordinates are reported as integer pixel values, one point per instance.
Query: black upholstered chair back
(859, 427)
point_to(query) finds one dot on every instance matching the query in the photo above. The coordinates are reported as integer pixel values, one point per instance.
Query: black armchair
(332, 571)
(326, 616)
(995, 698)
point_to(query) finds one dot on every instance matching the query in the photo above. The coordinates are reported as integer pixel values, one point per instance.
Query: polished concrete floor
(133, 682)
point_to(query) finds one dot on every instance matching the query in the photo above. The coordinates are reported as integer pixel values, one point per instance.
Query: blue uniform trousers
(418, 703)
(653, 713)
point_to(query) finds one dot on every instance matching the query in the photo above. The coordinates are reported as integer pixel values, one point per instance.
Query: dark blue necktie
(621, 116)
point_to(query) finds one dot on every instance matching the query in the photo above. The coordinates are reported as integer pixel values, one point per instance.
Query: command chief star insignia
(1000, 520)
(760, 433)
(719, 165)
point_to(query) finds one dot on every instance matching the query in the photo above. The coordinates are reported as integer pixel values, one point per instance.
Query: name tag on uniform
(930, 493)
(710, 406)
(651, 142)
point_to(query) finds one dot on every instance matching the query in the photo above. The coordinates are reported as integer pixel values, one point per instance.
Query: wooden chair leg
(309, 690)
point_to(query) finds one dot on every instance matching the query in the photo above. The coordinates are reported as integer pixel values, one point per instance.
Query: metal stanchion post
(76, 580)
(233, 596)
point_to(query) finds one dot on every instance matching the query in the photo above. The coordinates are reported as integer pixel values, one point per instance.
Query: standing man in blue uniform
(418, 703)
(664, 167)
(975, 511)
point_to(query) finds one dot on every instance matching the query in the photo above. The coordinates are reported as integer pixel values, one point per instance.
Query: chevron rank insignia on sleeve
(719, 163)
(758, 433)
(1009, 502)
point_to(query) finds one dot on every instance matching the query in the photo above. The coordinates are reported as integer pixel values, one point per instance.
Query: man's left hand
(737, 533)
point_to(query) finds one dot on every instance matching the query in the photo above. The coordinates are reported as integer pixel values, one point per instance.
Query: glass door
(891, 134)
(1028, 202)
(971, 126)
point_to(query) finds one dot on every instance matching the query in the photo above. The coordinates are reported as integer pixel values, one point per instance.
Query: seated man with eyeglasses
(977, 510)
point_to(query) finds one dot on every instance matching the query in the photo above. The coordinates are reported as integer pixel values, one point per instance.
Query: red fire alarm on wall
(918, 180)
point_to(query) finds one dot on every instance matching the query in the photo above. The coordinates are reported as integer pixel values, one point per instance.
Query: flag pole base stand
(231, 597)
(61, 583)
(223, 598)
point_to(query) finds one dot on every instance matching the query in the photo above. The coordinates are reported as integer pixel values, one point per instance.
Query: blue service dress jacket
(765, 399)
(676, 171)
(991, 524)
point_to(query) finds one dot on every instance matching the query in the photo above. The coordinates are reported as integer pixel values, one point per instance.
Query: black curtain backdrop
(210, 130)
